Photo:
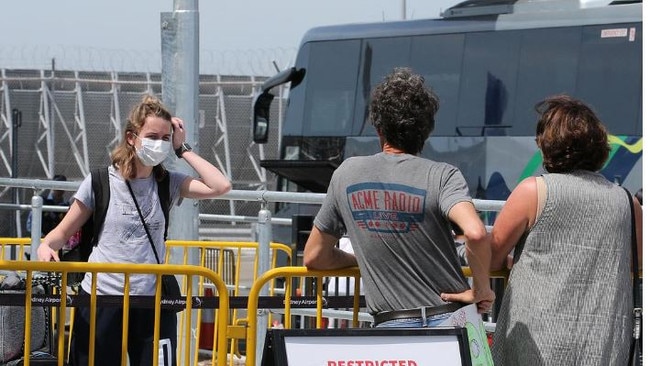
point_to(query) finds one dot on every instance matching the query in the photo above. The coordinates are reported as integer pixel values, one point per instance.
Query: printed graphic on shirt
(383, 207)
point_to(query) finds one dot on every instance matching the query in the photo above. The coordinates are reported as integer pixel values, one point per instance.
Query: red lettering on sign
(371, 363)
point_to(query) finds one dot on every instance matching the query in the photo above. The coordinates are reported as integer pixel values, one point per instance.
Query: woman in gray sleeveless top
(569, 296)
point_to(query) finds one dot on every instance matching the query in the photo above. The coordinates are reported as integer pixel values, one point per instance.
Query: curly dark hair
(570, 135)
(402, 110)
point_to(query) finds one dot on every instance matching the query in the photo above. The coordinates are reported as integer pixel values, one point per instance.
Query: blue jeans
(432, 321)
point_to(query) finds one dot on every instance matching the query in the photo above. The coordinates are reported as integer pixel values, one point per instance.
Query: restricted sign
(367, 347)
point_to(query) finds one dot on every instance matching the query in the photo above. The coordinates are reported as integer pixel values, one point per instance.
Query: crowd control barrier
(14, 248)
(254, 333)
(65, 298)
(236, 263)
(308, 299)
(317, 304)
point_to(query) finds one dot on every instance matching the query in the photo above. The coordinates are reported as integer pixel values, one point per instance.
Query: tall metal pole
(16, 122)
(51, 130)
(180, 93)
(37, 222)
(264, 235)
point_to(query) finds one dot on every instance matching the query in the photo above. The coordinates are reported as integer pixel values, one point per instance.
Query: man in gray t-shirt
(397, 209)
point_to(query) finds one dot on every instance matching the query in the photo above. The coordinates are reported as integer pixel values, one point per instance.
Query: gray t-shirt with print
(123, 238)
(395, 209)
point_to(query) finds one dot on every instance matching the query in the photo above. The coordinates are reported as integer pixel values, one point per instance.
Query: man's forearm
(478, 257)
(335, 259)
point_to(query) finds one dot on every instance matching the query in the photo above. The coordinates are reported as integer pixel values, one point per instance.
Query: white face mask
(153, 152)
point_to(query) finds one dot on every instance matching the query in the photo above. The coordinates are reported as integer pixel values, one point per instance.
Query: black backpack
(90, 229)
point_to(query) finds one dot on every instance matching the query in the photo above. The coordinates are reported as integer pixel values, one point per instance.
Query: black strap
(93, 226)
(143, 222)
(164, 198)
(635, 256)
(102, 192)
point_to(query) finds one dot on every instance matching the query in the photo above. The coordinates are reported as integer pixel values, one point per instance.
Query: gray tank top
(569, 297)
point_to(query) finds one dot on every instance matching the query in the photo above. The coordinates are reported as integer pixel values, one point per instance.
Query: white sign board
(370, 347)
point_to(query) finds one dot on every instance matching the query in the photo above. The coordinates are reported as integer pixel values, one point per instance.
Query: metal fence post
(264, 234)
(36, 225)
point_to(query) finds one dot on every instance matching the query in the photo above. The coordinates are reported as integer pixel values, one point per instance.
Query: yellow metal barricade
(303, 272)
(229, 269)
(288, 273)
(16, 244)
(504, 273)
(60, 302)
(236, 263)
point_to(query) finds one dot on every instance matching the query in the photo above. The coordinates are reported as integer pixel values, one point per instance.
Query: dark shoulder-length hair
(123, 156)
(570, 135)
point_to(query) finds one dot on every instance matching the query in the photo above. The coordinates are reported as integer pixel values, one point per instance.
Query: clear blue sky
(33, 28)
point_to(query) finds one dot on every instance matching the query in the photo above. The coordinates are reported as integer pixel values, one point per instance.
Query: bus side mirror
(261, 113)
(262, 104)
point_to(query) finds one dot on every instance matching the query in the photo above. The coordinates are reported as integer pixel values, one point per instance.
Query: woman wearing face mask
(150, 136)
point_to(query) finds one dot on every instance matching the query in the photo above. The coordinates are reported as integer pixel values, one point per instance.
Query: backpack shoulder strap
(91, 228)
(102, 192)
(163, 197)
